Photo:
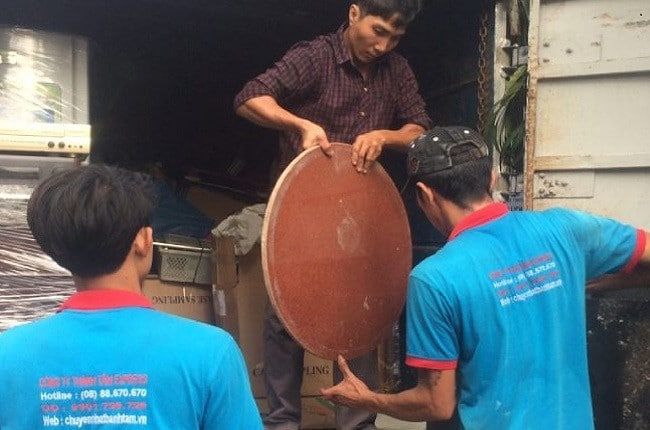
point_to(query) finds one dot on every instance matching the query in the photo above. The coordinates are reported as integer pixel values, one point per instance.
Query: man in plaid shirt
(348, 86)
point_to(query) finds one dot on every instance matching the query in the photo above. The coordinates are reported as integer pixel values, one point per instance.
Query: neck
(124, 279)
(457, 213)
(346, 42)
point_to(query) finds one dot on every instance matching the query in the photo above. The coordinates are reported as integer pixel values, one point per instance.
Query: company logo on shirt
(78, 401)
(525, 280)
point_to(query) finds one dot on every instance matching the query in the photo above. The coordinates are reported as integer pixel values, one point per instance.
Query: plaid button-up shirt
(316, 80)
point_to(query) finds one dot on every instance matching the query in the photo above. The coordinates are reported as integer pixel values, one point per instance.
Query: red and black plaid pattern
(316, 80)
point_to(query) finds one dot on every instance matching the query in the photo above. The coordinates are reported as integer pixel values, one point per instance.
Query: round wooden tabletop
(336, 253)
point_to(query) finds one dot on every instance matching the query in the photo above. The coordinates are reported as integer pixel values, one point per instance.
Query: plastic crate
(185, 266)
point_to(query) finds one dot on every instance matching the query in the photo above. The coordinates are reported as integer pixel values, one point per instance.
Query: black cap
(442, 148)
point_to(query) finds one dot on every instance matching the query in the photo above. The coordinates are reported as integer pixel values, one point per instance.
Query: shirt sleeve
(410, 105)
(295, 75)
(608, 245)
(230, 403)
(431, 338)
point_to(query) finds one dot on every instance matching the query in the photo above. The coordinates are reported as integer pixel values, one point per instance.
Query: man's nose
(382, 46)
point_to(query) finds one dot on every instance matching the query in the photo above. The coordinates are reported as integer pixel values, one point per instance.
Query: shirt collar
(92, 300)
(482, 216)
(341, 53)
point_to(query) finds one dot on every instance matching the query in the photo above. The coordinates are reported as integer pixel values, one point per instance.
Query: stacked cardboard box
(240, 309)
(186, 300)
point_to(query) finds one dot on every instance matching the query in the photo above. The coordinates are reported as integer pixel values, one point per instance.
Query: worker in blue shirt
(107, 359)
(496, 321)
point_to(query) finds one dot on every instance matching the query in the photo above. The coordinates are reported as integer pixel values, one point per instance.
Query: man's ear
(143, 241)
(426, 194)
(493, 180)
(354, 14)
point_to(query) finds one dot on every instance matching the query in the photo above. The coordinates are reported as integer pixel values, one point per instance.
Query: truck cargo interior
(163, 75)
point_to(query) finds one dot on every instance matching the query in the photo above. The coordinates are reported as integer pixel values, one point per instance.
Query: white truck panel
(588, 135)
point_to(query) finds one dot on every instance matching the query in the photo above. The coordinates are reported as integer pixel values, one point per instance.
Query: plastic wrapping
(31, 284)
(245, 228)
(43, 77)
(43, 92)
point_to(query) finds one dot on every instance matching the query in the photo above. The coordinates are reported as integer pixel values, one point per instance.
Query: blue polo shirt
(503, 302)
(109, 361)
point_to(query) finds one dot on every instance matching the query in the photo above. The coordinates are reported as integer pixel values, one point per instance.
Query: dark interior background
(163, 74)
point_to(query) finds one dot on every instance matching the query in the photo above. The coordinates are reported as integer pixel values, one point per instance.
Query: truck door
(588, 148)
(588, 137)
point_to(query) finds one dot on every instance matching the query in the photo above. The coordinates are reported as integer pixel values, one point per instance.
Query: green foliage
(506, 126)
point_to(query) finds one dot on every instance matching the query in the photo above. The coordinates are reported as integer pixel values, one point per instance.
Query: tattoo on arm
(431, 376)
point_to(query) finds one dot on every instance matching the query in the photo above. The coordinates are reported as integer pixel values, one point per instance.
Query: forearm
(640, 278)
(432, 399)
(402, 138)
(410, 405)
(266, 112)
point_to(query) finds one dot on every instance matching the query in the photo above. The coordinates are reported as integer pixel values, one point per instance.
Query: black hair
(86, 218)
(467, 182)
(386, 9)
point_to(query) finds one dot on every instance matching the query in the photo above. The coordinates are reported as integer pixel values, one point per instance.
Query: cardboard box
(315, 414)
(242, 313)
(186, 300)
(215, 204)
(240, 308)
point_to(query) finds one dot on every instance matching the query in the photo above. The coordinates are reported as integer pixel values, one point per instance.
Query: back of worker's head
(87, 218)
(387, 9)
(455, 162)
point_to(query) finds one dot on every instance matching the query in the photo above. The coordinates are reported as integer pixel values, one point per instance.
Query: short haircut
(386, 9)
(467, 182)
(87, 218)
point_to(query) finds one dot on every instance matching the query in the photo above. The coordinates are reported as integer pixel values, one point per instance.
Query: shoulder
(447, 257)
(433, 288)
(458, 262)
(193, 338)
(317, 49)
(431, 274)
(565, 220)
(555, 218)
(427, 268)
(555, 213)
(17, 338)
(191, 328)
(397, 58)
(397, 63)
